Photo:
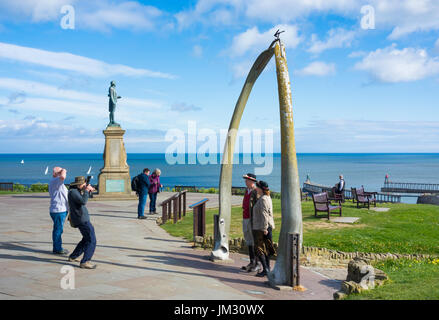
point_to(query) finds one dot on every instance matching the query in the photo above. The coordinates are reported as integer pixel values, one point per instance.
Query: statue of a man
(112, 102)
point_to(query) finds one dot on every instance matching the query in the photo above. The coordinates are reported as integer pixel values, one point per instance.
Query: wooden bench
(304, 196)
(354, 194)
(334, 196)
(365, 198)
(323, 204)
(6, 186)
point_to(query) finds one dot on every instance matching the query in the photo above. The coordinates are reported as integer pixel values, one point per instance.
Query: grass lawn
(410, 280)
(405, 228)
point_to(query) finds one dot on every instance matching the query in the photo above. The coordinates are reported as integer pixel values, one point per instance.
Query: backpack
(135, 184)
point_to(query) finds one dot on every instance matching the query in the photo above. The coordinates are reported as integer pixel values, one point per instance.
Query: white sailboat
(22, 162)
(89, 170)
(47, 170)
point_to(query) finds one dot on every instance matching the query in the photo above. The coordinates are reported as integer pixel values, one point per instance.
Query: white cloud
(126, 15)
(32, 134)
(197, 51)
(393, 65)
(253, 41)
(44, 90)
(290, 10)
(46, 99)
(72, 62)
(100, 15)
(274, 11)
(353, 135)
(184, 107)
(317, 68)
(406, 16)
(241, 69)
(336, 38)
(357, 54)
(35, 10)
(401, 16)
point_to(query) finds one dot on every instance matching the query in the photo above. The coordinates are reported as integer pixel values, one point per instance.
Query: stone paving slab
(380, 209)
(344, 219)
(136, 258)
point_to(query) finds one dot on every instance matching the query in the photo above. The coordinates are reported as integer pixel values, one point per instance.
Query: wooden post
(164, 212)
(169, 209)
(215, 225)
(184, 203)
(179, 206)
(175, 200)
(199, 228)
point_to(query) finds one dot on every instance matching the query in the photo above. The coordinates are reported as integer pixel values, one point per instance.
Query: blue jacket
(144, 183)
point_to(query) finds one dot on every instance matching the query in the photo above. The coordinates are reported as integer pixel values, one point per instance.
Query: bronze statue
(112, 103)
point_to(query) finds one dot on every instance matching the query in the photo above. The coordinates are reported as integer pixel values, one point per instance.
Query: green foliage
(20, 188)
(39, 187)
(405, 228)
(409, 280)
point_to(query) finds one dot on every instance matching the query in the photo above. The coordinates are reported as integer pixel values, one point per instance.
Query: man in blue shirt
(58, 207)
(143, 193)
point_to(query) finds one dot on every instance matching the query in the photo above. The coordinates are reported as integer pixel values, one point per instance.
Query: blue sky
(354, 90)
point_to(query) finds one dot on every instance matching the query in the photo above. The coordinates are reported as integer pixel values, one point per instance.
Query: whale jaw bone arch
(290, 186)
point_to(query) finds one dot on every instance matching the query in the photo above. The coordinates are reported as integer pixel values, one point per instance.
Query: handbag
(70, 221)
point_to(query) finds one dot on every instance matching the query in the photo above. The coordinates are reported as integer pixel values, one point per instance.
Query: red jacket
(246, 205)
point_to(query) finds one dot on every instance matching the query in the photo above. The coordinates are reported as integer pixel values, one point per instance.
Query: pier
(409, 187)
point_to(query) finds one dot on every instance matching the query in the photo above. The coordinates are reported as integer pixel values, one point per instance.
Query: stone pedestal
(114, 178)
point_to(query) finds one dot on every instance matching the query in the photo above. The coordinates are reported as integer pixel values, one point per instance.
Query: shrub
(20, 188)
(39, 187)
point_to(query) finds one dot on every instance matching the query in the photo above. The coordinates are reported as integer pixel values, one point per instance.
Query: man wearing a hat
(79, 218)
(250, 198)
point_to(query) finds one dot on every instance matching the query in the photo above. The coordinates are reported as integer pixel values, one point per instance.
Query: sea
(358, 169)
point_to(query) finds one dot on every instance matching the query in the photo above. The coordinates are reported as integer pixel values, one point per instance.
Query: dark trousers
(88, 243)
(152, 198)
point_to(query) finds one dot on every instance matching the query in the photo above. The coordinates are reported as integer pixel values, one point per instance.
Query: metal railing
(381, 197)
(410, 187)
(6, 186)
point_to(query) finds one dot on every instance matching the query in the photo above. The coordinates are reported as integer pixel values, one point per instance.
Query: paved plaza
(136, 258)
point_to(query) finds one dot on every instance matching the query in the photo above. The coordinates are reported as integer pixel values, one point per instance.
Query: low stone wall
(313, 256)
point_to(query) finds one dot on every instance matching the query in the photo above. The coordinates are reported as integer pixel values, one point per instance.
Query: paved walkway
(136, 259)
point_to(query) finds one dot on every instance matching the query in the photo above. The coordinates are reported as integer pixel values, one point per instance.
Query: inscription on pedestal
(115, 185)
(115, 153)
